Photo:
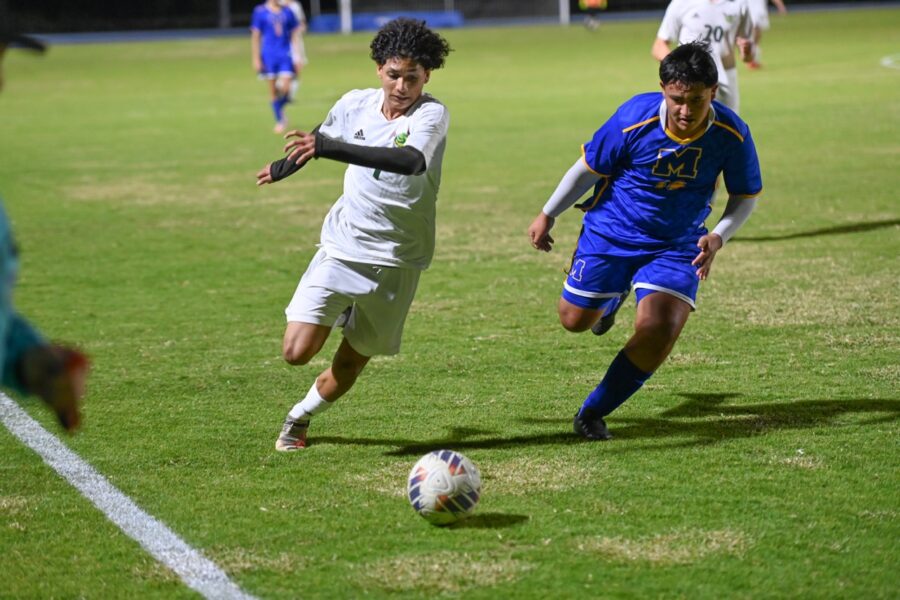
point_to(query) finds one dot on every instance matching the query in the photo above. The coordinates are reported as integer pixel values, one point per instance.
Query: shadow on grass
(838, 229)
(722, 421)
(489, 521)
(701, 419)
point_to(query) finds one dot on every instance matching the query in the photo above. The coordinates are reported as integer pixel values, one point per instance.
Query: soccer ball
(444, 487)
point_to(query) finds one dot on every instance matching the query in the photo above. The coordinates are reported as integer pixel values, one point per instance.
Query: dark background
(63, 16)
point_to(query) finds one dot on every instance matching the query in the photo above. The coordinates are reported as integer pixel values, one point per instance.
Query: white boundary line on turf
(195, 570)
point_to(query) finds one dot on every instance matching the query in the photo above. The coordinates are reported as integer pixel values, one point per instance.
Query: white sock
(311, 405)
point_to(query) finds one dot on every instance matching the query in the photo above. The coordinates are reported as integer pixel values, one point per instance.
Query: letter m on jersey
(682, 163)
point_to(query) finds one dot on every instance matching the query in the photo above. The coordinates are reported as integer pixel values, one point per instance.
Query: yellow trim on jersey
(593, 202)
(641, 124)
(684, 141)
(731, 129)
(590, 168)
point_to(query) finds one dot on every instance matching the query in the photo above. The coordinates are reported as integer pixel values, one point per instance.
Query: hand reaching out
(300, 150)
(709, 244)
(302, 147)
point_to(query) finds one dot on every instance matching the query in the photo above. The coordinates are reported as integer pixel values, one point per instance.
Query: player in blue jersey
(653, 168)
(28, 363)
(274, 29)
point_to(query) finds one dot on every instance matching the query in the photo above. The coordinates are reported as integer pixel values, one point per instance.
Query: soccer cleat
(280, 127)
(293, 435)
(754, 65)
(608, 320)
(590, 427)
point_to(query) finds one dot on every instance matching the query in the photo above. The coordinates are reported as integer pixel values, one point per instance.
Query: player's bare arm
(745, 46)
(660, 49)
(255, 60)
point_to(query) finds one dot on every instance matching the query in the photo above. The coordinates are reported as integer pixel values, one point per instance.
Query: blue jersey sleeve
(603, 152)
(741, 173)
(258, 21)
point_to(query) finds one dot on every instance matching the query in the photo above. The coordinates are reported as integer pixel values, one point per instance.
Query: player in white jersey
(725, 25)
(380, 233)
(759, 13)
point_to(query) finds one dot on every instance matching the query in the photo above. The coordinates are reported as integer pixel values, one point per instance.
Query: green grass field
(761, 461)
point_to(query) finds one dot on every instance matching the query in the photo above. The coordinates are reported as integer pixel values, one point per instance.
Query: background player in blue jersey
(274, 29)
(653, 168)
(28, 363)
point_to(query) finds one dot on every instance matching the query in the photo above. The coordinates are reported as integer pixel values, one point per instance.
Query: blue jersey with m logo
(656, 189)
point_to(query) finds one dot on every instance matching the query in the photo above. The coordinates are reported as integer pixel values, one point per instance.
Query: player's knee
(572, 324)
(575, 320)
(297, 355)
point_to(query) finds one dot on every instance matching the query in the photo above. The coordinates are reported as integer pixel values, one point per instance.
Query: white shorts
(298, 53)
(727, 93)
(380, 297)
(759, 13)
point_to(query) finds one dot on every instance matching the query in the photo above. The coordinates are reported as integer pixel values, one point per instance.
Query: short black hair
(409, 38)
(689, 64)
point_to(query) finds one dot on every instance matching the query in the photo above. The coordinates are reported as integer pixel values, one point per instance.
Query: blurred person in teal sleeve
(30, 364)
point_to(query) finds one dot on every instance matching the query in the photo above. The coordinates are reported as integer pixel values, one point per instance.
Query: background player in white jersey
(725, 25)
(29, 364)
(653, 167)
(380, 233)
(759, 13)
(298, 48)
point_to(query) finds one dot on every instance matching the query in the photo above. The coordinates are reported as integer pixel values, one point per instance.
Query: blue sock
(621, 381)
(278, 108)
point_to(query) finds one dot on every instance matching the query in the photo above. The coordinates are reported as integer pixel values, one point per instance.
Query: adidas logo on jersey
(359, 135)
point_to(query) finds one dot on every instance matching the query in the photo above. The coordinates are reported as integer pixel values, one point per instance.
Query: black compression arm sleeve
(285, 168)
(405, 161)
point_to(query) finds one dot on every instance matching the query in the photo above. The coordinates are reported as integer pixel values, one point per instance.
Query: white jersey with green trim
(386, 218)
(718, 22)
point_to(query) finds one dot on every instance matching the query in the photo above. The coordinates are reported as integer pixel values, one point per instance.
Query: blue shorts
(602, 270)
(277, 66)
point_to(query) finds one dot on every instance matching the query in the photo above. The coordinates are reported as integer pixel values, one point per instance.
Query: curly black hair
(408, 38)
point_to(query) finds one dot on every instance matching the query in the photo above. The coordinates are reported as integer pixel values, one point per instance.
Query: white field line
(192, 567)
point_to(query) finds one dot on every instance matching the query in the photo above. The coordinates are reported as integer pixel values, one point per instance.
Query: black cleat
(607, 321)
(590, 427)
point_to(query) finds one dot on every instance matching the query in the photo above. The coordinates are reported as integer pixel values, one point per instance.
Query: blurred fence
(56, 16)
